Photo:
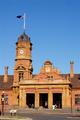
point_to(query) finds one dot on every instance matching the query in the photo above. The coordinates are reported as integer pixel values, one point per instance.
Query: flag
(19, 16)
(22, 17)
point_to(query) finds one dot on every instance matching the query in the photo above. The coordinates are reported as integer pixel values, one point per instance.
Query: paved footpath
(7, 117)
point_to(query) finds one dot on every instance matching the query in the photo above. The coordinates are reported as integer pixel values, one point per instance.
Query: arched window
(21, 75)
(20, 70)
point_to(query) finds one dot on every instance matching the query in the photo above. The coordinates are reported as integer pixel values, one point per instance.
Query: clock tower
(23, 66)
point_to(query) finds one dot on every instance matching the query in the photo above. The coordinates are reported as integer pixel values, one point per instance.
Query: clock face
(21, 52)
(47, 69)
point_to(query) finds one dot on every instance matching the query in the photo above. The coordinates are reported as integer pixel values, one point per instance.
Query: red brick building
(47, 88)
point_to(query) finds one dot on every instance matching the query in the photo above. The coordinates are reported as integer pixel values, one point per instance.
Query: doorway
(43, 98)
(30, 100)
(57, 100)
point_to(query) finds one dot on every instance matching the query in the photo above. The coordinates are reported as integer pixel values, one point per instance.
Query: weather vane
(24, 20)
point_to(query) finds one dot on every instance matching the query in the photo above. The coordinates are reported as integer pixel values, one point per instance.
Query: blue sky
(54, 28)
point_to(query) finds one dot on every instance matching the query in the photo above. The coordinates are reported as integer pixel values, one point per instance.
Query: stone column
(66, 98)
(36, 99)
(50, 100)
(14, 102)
(63, 98)
(22, 98)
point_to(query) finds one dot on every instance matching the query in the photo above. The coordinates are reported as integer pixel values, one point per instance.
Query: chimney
(71, 69)
(6, 74)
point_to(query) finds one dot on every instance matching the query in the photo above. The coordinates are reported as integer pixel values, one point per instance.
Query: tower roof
(24, 37)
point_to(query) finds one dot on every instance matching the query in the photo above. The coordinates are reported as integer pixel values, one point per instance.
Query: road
(44, 116)
(40, 115)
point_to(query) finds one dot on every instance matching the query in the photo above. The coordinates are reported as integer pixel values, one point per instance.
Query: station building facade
(47, 88)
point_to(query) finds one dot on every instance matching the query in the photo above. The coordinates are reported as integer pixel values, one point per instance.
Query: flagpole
(24, 22)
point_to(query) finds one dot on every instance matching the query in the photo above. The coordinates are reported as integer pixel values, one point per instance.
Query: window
(50, 77)
(77, 99)
(6, 99)
(21, 76)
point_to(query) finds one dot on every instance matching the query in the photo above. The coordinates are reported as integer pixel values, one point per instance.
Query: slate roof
(75, 82)
(6, 85)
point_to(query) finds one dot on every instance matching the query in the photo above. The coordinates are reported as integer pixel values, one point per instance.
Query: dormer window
(50, 77)
(21, 75)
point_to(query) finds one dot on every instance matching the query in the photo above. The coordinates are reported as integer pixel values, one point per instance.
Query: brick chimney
(6, 74)
(71, 69)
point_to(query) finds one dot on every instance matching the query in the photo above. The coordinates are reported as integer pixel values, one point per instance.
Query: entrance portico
(45, 97)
